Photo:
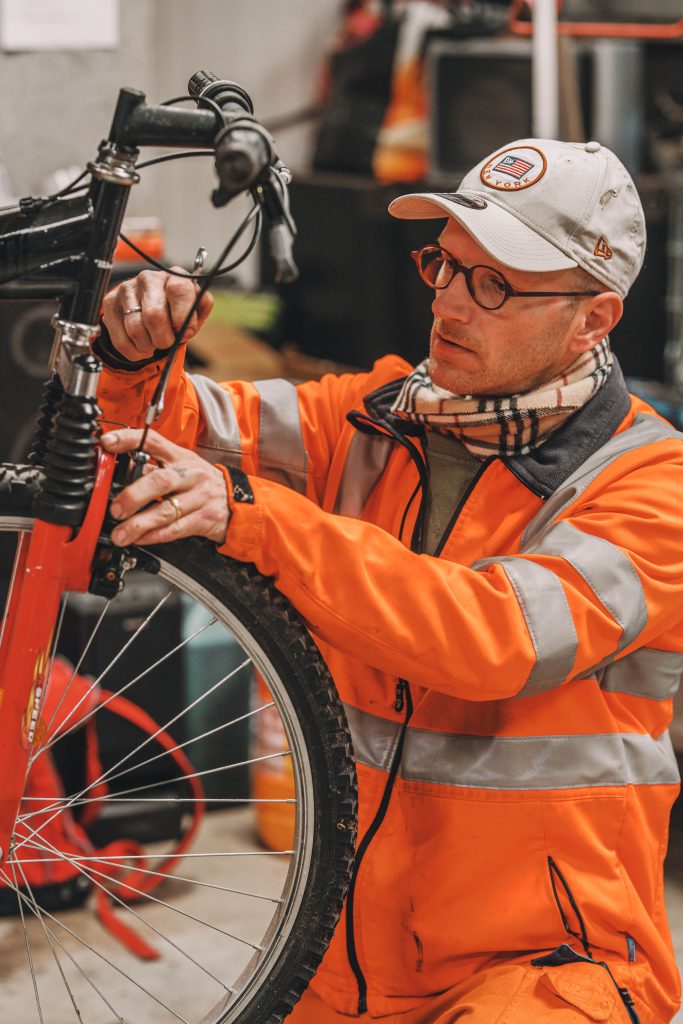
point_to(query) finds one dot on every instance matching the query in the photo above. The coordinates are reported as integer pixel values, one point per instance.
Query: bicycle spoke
(190, 881)
(114, 798)
(115, 967)
(28, 953)
(93, 871)
(152, 785)
(49, 942)
(71, 801)
(113, 857)
(76, 862)
(108, 777)
(60, 733)
(77, 725)
(66, 952)
(78, 665)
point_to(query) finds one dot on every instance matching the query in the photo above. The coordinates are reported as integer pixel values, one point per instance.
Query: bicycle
(56, 507)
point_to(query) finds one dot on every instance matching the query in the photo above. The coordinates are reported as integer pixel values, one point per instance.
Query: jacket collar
(544, 469)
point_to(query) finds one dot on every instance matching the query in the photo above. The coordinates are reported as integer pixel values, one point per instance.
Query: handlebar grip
(242, 152)
(220, 90)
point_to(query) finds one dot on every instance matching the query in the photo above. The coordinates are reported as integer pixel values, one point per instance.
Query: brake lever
(282, 228)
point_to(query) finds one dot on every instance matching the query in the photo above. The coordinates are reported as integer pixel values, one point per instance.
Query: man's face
(475, 351)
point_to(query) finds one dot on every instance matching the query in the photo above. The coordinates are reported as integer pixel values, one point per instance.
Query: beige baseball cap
(540, 204)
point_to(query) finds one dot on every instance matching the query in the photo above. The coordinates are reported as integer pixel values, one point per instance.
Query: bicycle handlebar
(75, 238)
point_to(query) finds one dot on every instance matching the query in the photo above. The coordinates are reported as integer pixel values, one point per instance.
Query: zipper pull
(627, 1000)
(400, 702)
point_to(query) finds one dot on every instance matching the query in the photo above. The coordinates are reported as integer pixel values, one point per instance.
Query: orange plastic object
(272, 779)
(615, 29)
(146, 233)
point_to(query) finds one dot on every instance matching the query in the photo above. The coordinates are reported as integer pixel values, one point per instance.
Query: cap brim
(506, 238)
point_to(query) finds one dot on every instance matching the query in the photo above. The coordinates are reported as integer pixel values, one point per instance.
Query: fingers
(181, 293)
(197, 524)
(128, 440)
(183, 496)
(144, 313)
(178, 470)
(128, 330)
(200, 509)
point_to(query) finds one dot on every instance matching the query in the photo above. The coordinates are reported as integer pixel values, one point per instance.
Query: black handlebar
(73, 240)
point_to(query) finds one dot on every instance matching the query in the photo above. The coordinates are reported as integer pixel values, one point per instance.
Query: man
(492, 565)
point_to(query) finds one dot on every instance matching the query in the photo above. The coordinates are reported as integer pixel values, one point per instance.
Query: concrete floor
(172, 977)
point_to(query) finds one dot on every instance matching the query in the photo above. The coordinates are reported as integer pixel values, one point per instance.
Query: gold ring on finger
(132, 309)
(176, 507)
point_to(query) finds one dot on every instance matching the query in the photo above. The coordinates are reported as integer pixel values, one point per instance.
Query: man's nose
(453, 302)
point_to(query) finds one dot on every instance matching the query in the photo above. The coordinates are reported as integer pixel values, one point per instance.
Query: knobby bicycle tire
(297, 941)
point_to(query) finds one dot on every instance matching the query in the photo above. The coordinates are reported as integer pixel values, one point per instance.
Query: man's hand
(142, 314)
(181, 496)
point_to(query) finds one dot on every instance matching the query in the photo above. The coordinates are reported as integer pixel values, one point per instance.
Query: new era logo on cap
(602, 248)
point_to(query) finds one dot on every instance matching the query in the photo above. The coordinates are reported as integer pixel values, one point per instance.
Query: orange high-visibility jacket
(511, 693)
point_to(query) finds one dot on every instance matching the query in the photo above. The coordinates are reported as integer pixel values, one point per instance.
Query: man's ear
(594, 320)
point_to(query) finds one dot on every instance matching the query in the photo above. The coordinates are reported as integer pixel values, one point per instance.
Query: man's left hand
(179, 495)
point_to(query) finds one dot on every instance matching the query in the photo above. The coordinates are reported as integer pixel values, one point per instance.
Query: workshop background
(366, 100)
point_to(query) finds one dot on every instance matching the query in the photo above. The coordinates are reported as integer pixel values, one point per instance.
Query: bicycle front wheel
(236, 929)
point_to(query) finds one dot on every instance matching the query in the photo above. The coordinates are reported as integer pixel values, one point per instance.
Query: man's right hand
(141, 314)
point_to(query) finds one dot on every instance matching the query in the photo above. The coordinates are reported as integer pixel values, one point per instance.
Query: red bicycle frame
(46, 564)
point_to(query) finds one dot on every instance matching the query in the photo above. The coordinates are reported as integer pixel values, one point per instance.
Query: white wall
(55, 107)
(274, 49)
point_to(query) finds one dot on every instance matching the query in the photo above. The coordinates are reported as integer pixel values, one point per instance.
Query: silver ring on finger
(132, 309)
(178, 512)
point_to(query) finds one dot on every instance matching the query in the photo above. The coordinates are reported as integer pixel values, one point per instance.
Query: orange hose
(621, 30)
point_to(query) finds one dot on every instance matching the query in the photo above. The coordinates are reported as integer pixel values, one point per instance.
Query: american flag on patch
(515, 166)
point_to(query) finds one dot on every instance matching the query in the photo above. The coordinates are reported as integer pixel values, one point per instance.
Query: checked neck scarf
(505, 424)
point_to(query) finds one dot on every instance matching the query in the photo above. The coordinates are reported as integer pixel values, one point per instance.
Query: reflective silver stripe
(374, 738)
(220, 439)
(644, 673)
(548, 619)
(606, 569)
(646, 429)
(509, 763)
(281, 453)
(365, 462)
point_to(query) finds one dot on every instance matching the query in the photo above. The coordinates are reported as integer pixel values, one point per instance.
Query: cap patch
(602, 248)
(514, 169)
(472, 202)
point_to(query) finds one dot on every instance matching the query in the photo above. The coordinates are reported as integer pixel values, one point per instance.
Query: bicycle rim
(239, 928)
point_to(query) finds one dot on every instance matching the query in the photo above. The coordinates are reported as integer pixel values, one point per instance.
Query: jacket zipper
(403, 700)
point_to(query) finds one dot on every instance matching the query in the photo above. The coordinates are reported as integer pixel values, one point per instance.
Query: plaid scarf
(505, 424)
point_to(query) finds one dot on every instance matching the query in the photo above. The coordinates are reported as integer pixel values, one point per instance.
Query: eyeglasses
(487, 286)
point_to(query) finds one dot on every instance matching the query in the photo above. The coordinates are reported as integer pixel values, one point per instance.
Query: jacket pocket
(586, 988)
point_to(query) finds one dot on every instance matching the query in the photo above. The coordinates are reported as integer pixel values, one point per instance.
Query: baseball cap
(541, 204)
